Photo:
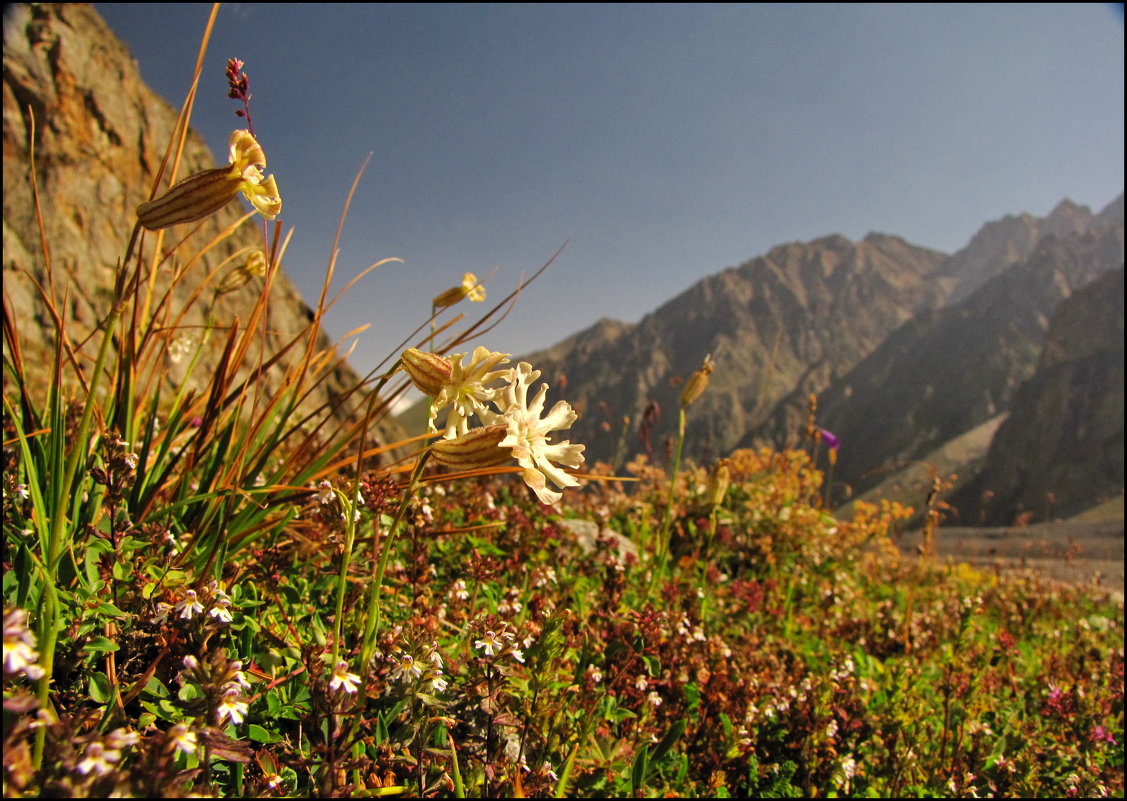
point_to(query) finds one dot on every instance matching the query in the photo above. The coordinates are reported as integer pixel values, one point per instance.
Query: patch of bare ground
(1077, 552)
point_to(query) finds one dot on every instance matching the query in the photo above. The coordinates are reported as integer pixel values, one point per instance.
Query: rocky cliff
(1060, 450)
(100, 135)
(950, 370)
(777, 327)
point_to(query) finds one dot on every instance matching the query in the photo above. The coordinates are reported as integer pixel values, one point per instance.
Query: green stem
(346, 558)
(373, 616)
(665, 534)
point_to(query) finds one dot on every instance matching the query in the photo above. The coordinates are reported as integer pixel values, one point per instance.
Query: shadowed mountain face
(1061, 448)
(950, 370)
(906, 348)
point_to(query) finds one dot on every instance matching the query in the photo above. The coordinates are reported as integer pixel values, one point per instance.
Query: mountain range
(904, 350)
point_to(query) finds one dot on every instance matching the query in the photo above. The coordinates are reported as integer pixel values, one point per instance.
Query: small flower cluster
(102, 756)
(222, 680)
(512, 425)
(118, 474)
(210, 599)
(499, 643)
(333, 502)
(423, 667)
(20, 654)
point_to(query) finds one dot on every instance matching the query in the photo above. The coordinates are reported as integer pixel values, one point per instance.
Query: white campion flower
(210, 190)
(467, 391)
(528, 435)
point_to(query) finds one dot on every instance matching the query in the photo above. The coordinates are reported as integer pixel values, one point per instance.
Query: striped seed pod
(429, 372)
(478, 448)
(192, 199)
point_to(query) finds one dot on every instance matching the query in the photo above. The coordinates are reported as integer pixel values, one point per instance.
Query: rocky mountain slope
(953, 369)
(906, 348)
(1061, 448)
(99, 137)
(778, 326)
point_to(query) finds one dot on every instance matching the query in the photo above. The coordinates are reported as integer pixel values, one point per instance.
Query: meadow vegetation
(229, 593)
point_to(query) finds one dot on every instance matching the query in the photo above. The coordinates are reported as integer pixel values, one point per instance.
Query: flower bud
(697, 382)
(253, 267)
(718, 480)
(429, 372)
(478, 448)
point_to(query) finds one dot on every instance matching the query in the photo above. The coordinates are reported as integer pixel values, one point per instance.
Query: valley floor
(1072, 551)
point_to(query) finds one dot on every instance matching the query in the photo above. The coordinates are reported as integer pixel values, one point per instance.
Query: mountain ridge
(800, 318)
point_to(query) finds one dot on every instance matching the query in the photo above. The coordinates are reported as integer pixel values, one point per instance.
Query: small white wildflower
(459, 591)
(543, 576)
(21, 490)
(240, 678)
(189, 605)
(654, 698)
(162, 611)
(222, 610)
(131, 460)
(20, 654)
(434, 657)
(641, 683)
(438, 684)
(343, 680)
(594, 674)
(491, 644)
(231, 707)
(326, 495)
(518, 655)
(406, 669)
(98, 759)
(121, 738)
(182, 739)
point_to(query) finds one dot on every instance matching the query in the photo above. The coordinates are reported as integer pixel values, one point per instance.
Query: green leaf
(106, 608)
(641, 767)
(261, 735)
(670, 739)
(99, 688)
(122, 569)
(100, 645)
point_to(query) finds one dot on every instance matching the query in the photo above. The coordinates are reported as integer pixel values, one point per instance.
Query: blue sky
(663, 143)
